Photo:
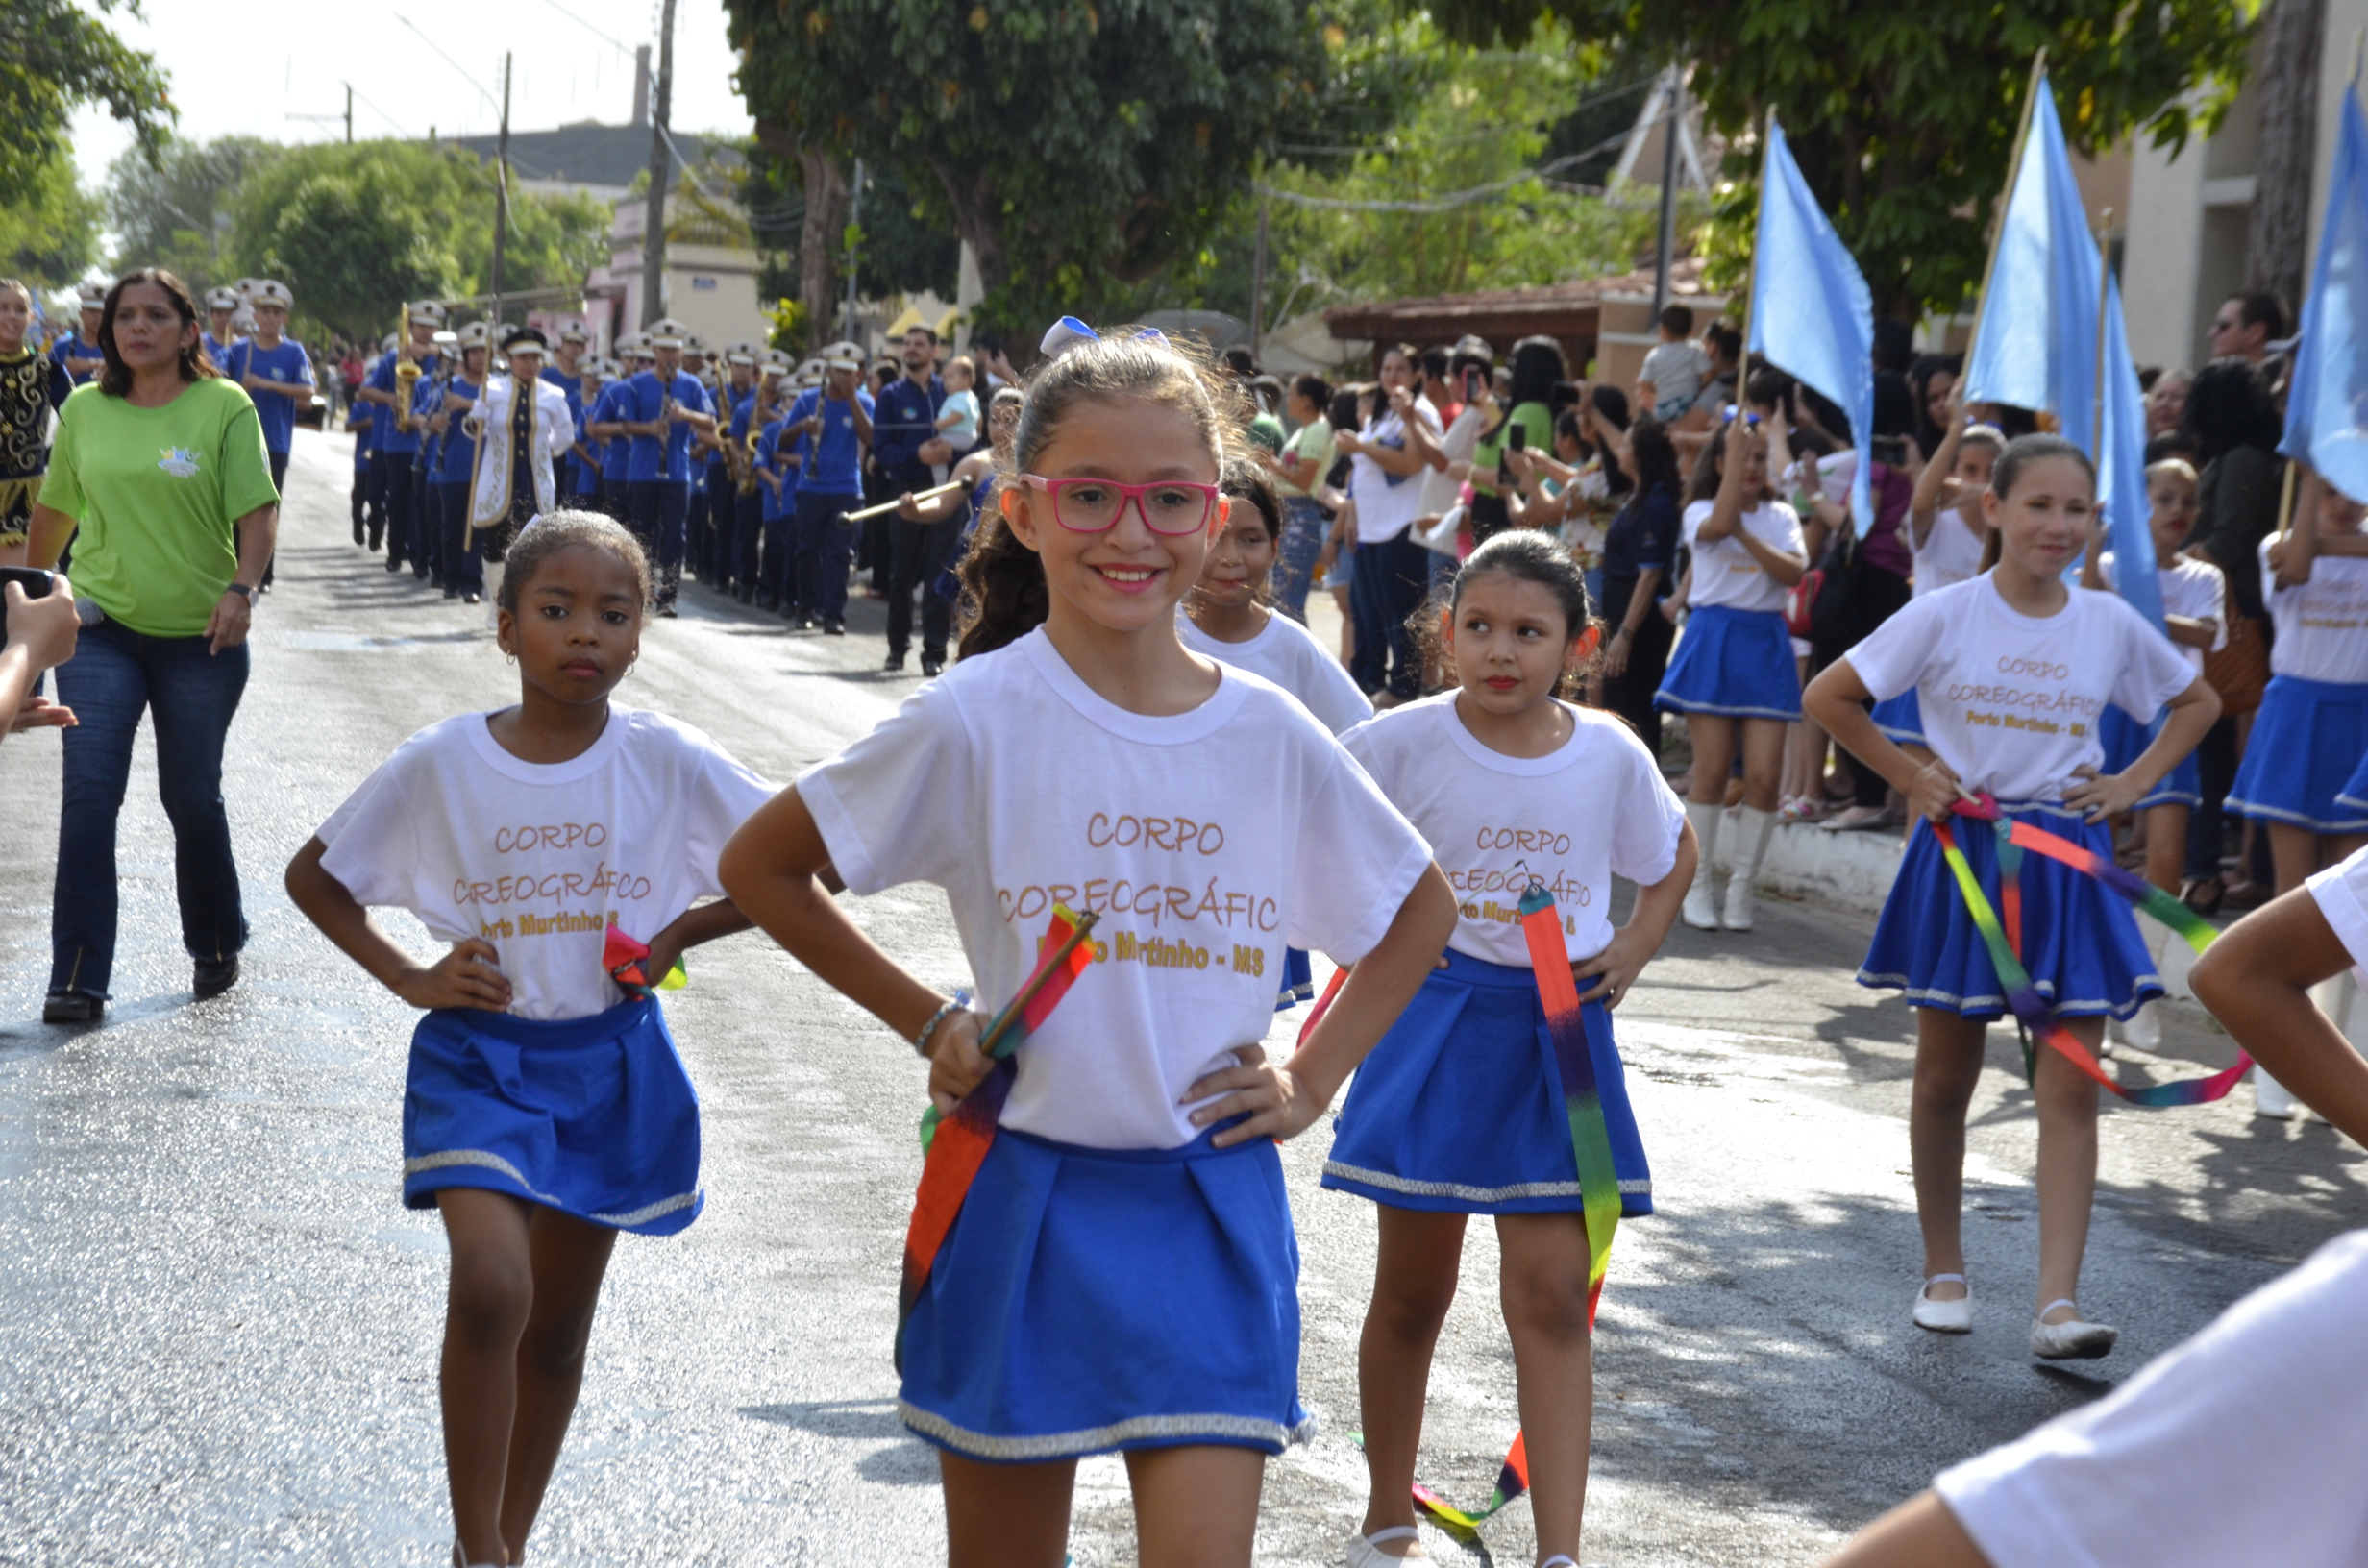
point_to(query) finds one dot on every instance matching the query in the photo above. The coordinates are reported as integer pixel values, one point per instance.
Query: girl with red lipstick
(1460, 1111)
(2013, 671)
(544, 1108)
(1122, 1274)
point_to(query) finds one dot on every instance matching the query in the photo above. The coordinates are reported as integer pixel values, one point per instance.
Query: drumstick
(949, 488)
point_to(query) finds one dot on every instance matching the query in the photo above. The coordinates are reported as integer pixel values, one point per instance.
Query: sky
(246, 66)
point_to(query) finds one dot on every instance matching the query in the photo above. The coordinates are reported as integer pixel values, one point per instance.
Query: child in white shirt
(957, 417)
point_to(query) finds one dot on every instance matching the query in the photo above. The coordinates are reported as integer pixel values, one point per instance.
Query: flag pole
(1743, 362)
(1998, 219)
(2285, 499)
(2104, 294)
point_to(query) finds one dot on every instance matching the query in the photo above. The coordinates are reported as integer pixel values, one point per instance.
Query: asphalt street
(218, 1325)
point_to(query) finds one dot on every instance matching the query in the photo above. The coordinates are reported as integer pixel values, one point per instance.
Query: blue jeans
(1392, 576)
(115, 674)
(826, 550)
(1304, 527)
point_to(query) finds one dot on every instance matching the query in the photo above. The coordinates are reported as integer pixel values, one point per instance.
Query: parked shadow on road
(904, 1461)
(34, 1036)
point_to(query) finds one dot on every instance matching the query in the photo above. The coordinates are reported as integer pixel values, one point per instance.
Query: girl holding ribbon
(1531, 804)
(1119, 1272)
(544, 1108)
(2013, 671)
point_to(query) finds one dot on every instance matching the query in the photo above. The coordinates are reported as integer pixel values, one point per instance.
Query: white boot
(1701, 911)
(2271, 1098)
(1751, 846)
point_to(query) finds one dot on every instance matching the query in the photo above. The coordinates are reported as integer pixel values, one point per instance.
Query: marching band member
(522, 426)
(79, 350)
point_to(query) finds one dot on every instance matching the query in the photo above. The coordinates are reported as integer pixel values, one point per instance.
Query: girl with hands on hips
(1460, 1109)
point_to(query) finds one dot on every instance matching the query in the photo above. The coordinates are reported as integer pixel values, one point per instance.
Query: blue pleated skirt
(2080, 943)
(2307, 741)
(1902, 717)
(1460, 1108)
(1093, 1300)
(1299, 980)
(592, 1117)
(2126, 739)
(1736, 664)
(2354, 792)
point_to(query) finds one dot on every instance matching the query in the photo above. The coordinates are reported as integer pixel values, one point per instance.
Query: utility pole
(1258, 283)
(349, 114)
(501, 192)
(1674, 98)
(854, 226)
(661, 175)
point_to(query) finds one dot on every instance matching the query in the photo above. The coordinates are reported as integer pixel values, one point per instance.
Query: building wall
(2189, 212)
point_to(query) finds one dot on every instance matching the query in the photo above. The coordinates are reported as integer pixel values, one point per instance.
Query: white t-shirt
(2248, 1444)
(1442, 489)
(1595, 807)
(2193, 589)
(1386, 502)
(1288, 654)
(1676, 370)
(540, 859)
(2010, 702)
(2341, 892)
(1725, 573)
(1951, 553)
(1209, 841)
(2321, 626)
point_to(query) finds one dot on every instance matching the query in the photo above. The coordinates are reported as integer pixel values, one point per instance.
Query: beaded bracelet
(920, 1041)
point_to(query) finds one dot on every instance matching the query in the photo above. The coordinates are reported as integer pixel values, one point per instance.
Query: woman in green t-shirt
(159, 478)
(1537, 364)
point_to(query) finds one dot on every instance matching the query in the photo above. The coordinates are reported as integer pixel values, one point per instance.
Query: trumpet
(406, 376)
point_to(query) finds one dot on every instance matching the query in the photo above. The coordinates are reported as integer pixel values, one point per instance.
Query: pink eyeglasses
(1090, 505)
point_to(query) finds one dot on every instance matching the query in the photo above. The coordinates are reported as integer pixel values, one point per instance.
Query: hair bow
(1069, 332)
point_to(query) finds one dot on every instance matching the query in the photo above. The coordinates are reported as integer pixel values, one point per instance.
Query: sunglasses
(1090, 505)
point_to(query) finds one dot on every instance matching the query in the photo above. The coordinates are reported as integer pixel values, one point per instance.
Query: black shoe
(451, 592)
(834, 628)
(357, 537)
(72, 1007)
(214, 976)
(374, 544)
(419, 573)
(894, 665)
(472, 597)
(801, 620)
(931, 667)
(666, 610)
(394, 562)
(746, 595)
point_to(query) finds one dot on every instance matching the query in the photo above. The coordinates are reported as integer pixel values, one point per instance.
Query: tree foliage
(51, 237)
(1080, 146)
(1903, 117)
(354, 229)
(55, 56)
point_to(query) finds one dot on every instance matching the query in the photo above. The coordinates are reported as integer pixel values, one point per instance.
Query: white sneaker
(1944, 1316)
(1737, 915)
(2072, 1339)
(1701, 908)
(2144, 1030)
(2271, 1098)
(1365, 1551)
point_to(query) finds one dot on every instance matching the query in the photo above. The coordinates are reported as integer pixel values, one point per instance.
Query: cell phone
(35, 581)
(1891, 450)
(1519, 439)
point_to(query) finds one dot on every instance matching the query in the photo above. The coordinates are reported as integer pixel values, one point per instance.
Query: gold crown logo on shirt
(178, 461)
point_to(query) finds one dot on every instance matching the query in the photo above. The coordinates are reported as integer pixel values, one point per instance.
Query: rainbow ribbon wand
(1591, 1148)
(955, 1146)
(2023, 997)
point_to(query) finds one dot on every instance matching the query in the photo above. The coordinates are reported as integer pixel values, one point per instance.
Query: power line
(620, 48)
(448, 59)
(1455, 199)
(1325, 149)
(382, 114)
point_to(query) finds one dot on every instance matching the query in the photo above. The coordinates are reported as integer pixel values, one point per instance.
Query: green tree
(165, 210)
(55, 56)
(355, 230)
(1079, 146)
(51, 237)
(1903, 117)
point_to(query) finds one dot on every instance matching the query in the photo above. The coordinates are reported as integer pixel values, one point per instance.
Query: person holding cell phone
(38, 628)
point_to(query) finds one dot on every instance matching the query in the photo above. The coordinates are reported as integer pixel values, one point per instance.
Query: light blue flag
(1811, 312)
(2036, 345)
(2327, 401)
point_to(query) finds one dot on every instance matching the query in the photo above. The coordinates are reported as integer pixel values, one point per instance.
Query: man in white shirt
(1392, 572)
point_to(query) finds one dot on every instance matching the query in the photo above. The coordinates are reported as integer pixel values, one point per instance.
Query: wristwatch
(243, 591)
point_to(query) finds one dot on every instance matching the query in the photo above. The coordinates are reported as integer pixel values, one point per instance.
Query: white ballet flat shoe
(1700, 909)
(2071, 1340)
(1365, 1551)
(1738, 914)
(1944, 1316)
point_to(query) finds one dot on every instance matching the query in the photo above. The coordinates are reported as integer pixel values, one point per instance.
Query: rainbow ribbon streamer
(622, 956)
(1591, 1146)
(2022, 996)
(954, 1146)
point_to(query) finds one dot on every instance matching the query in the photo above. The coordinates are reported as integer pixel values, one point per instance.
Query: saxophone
(406, 376)
(745, 465)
